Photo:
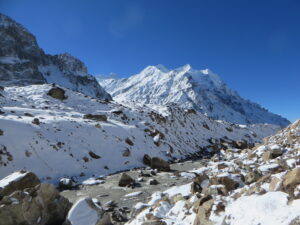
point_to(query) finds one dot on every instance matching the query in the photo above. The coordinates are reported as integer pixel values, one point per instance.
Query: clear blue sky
(253, 45)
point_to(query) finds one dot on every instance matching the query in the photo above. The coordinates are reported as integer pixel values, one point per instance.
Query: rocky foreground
(236, 186)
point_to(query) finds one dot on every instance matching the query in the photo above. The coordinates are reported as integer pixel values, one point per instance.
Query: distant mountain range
(201, 90)
(23, 62)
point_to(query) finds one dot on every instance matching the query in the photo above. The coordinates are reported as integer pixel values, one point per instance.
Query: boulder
(195, 188)
(291, 179)
(252, 176)
(215, 190)
(160, 164)
(94, 155)
(147, 160)
(126, 153)
(65, 184)
(129, 142)
(36, 121)
(18, 181)
(126, 180)
(200, 179)
(98, 117)
(41, 205)
(275, 184)
(57, 92)
(272, 154)
(203, 213)
(87, 212)
(221, 166)
(153, 182)
(228, 182)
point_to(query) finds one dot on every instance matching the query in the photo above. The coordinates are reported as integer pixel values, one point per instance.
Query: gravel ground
(110, 191)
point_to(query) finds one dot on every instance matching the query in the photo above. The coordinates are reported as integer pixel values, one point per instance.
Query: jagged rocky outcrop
(23, 62)
(201, 90)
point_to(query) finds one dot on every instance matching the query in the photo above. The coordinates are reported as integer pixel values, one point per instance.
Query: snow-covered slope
(52, 138)
(23, 62)
(201, 90)
(249, 187)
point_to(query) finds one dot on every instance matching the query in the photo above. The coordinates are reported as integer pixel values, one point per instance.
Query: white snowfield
(65, 144)
(201, 90)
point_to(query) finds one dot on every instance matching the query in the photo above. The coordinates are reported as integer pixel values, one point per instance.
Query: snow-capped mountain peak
(201, 90)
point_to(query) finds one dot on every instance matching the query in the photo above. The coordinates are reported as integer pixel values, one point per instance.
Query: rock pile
(268, 173)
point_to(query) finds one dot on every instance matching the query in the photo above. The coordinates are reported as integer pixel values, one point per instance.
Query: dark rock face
(19, 54)
(23, 62)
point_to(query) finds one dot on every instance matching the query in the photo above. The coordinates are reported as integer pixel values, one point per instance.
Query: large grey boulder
(41, 205)
(18, 180)
(87, 212)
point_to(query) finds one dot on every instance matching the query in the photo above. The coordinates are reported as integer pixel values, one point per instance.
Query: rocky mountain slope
(64, 133)
(250, 186)
(23, 62)
(201, 90)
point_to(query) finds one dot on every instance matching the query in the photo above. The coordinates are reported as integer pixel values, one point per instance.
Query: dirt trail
(110, 191)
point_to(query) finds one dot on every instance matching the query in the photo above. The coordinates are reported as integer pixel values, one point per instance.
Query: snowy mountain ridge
(23, 62)
(59, 138)
(201, 90)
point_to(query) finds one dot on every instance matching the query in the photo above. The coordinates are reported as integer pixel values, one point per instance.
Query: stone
(98, 117)
(215, 190)
(255, 189)
(228, 182)
(57, 92)
(19, 180)
(147, 160)
(36, 121)
(160, 164)
(177, 198)
(119, 216)
(126, 153)
(195, 188)
(153, 182)
(267, 156)
(291, 179)
(126, 180)
(221, 166)
(252, 176)
(94, 155)
(129, 142)
(272, 154)
(65, 184)
(275, 184)
(200, 178)
(203, 213)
